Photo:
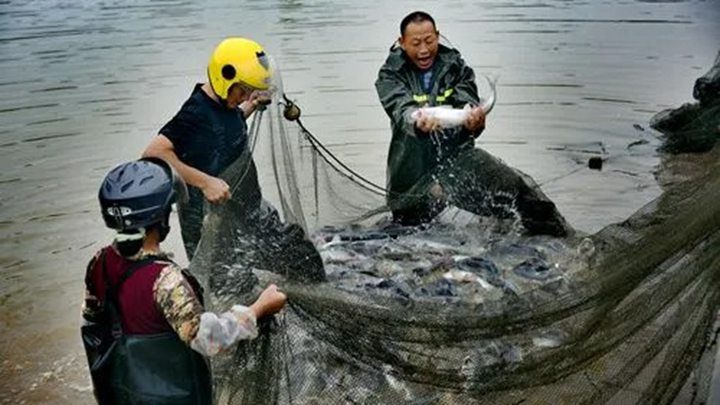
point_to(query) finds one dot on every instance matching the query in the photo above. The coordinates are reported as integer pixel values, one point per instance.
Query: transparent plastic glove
(217, 333)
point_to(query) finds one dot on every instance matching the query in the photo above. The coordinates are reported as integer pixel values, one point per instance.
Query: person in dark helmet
(145, 331)
(209, 134)
(427, 164)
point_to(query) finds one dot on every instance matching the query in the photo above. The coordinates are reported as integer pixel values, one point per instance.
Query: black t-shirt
(206, 135)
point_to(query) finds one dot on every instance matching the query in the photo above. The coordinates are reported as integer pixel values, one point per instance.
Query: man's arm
(396, 98)
(215, 189)
(466, 92)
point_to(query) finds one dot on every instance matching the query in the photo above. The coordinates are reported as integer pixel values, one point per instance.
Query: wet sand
(87, 86)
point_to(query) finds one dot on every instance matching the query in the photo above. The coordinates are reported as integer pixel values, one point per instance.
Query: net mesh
(465, 309)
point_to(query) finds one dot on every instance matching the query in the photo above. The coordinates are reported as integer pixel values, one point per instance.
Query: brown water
(87, 84)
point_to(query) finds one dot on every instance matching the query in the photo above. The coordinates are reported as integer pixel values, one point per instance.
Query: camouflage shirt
(182, 310)
(177, 301)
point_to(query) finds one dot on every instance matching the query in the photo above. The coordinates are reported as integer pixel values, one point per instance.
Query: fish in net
(467, 308)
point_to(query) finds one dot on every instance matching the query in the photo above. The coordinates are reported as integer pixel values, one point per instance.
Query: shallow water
(88, 84)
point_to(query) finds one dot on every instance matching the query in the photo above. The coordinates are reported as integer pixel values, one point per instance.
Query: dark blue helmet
(139, 194)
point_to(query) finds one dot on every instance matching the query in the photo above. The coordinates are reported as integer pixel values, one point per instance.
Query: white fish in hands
(449, 117)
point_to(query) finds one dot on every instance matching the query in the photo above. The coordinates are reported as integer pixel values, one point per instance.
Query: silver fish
(488, 104)
(452, 117)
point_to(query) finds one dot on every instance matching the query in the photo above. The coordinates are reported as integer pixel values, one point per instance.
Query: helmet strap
(164, 227)
(127, 237)
(164, 230)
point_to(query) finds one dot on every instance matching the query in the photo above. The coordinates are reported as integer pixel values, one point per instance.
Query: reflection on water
(87, 84)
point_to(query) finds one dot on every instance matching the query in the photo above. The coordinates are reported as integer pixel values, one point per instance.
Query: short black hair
(415, 17)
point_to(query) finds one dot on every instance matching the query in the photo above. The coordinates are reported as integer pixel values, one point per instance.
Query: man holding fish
(431, 97)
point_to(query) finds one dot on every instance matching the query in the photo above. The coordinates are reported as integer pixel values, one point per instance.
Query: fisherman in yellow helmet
(209, 132)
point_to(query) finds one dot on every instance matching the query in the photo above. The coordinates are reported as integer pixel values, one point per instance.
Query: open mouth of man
(425, 62)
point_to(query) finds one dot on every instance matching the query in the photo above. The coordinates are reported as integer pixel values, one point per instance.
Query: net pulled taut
(466, 309)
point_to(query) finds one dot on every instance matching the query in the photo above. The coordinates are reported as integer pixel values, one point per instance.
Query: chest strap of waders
(111, 291)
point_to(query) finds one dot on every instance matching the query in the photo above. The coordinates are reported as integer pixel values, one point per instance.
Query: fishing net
(467, 308)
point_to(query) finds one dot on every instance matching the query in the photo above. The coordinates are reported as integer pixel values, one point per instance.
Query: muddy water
(87, 84)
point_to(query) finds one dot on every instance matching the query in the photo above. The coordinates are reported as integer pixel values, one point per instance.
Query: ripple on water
(52, 136)
(27, 107)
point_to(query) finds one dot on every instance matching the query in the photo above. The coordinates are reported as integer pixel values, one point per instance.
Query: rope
(334, 162)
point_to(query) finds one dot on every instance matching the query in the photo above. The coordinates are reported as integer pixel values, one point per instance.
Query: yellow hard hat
(238, 60)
